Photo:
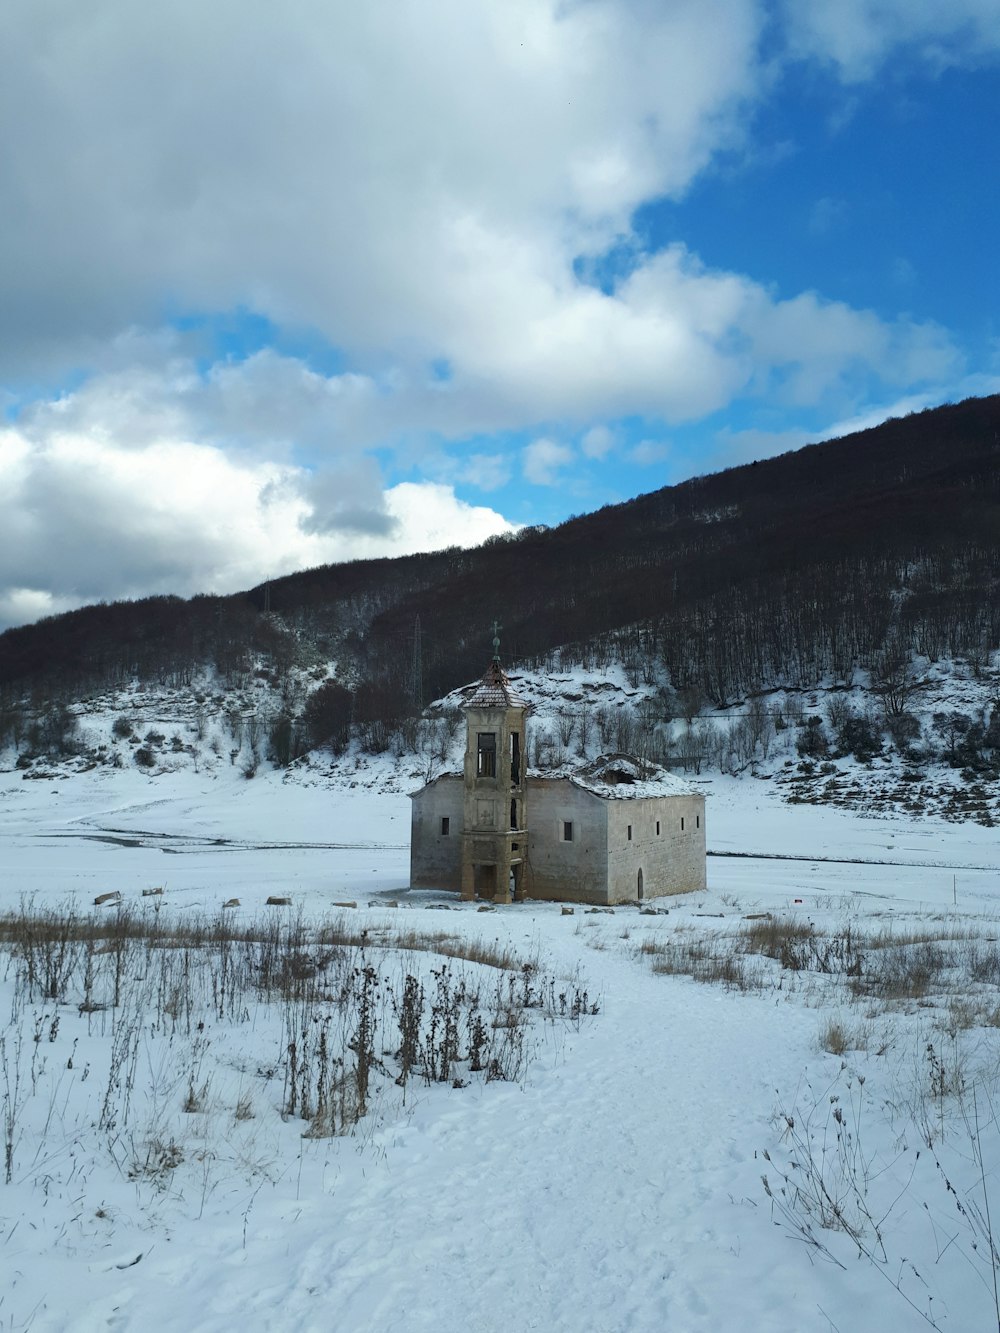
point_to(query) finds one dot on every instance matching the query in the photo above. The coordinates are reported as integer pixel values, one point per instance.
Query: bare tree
(690, 700)
(692, 748)
(566, 724)
(760, 723)
(585, 732)
(626, 731)
(893, 678)
(838, 710)
(605, 719)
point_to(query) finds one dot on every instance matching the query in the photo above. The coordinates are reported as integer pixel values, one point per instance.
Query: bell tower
(494, 833)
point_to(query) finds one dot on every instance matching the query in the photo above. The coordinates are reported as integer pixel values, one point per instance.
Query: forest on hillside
(853, 553)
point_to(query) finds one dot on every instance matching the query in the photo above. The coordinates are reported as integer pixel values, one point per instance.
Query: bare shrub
(155, 1159)
(833, 1037)
(964, 1013)
(823, 1181)
(409, 1009)
(14, 1092)
(714, 958)
(147, 981)
(838, 710)
(904, 972)
(776, 937)
(487, 953)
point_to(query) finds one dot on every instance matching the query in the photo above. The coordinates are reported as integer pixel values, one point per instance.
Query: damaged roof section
(495, 691)
(619, 777)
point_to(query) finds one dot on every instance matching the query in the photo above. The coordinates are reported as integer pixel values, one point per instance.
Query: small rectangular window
(682, 823)
(697, 821)
(567, 830)
(630, 832)
(445, 826)
(657, 828)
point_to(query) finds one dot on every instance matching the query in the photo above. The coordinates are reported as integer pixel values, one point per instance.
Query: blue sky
(285, 286)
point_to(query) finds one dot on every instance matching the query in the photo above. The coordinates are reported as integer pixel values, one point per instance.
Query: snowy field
(614, 1184)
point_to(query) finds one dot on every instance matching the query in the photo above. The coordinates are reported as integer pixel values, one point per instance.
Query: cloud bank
(83, 519)
(442, 196)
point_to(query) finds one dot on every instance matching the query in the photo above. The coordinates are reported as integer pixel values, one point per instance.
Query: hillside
(833, 744)
(856, 564)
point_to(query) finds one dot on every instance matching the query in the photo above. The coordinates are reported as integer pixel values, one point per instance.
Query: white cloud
(543, 461)
(486, 472)
(858, 35)
(20, 606)
(266, 403)
(648, 452)
(827, 215)
(429, 517)
(675, 340)
(597, 442)
(482, 472)
(413, 182)
(170, 477)
(902, 272)
(734, 447)
(876, 413)
(346, 500)
(350, 167)
(415, 179)
(83, 518)
(728, 335)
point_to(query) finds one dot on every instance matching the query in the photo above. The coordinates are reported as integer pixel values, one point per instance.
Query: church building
(613, 830)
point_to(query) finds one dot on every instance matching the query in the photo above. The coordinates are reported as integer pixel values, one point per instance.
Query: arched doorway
(639, 886)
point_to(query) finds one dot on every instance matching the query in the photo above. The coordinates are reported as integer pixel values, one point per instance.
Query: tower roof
(494, 690)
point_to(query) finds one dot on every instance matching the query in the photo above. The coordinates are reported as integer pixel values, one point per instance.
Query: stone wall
(436, 858)
(573, 871)
(667, 845)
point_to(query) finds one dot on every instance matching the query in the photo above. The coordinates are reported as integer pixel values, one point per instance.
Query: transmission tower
(417, 684)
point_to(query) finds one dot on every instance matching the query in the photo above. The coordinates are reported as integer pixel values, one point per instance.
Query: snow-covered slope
(616, 1182)
(615, 1185)
(837, 744)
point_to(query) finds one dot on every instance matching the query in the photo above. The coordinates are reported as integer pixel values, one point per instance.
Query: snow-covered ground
(617, 1185)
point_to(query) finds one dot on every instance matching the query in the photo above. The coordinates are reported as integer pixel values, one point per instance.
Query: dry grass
(486, 953)
(838, 1036)
(276, 953)
(775, 936)
(940, 964)
(706, 958)
(964, 1013)
(833, 1037)
(348, 1009)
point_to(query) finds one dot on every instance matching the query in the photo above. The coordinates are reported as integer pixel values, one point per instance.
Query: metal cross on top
(496, 640)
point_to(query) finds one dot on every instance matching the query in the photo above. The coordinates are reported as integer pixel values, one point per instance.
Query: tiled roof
(494, 691)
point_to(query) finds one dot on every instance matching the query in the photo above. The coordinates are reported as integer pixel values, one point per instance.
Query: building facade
(611, 831)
